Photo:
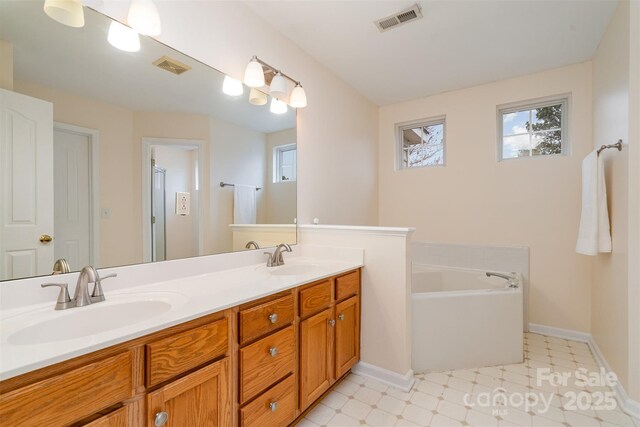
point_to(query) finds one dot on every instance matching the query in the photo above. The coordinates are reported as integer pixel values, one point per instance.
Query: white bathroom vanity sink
(50, 326)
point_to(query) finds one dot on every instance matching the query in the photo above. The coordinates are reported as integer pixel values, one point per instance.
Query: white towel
(594, 235)
(244, 204)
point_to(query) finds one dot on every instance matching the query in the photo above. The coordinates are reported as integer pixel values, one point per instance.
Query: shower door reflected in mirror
(158, 224)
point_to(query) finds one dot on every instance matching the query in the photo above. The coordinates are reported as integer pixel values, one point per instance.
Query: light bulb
(298, 97)
(123, 37)
(253, 74)
(67, 12)
(232, 87)
(144, 17)
(278, 88)
(257, 97)
(277, 106)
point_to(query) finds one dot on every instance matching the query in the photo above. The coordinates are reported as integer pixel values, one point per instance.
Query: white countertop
(191, 297)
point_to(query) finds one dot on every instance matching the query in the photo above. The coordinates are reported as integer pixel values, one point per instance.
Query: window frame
(431, 121)
(532, 104)
(277, 159)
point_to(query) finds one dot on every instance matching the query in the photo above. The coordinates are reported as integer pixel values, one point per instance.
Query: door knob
(161, 419)
(45, 238)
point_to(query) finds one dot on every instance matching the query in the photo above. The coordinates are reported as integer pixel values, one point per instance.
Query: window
(284, 163)
(421, 144)
(533, 129)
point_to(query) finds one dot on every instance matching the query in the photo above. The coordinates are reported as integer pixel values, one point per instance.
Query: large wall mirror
(111, 157)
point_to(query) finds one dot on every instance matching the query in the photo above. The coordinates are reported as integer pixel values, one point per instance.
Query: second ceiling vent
(397, 19)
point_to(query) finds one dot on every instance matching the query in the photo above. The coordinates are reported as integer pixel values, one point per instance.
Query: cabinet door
(316, 349)
(347, 335)
(198, 399)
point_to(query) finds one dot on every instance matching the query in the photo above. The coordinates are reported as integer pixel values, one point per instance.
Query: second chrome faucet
(81, 297)
(276, 259)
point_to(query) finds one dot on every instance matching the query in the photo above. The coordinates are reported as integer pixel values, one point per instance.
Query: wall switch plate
(183, 203)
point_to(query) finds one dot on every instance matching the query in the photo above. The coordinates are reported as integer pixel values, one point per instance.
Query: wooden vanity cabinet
(329, 339)
(262, 363)
(201, 398)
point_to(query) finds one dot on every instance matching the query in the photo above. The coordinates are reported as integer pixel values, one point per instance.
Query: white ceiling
(457, 44)
(81, 61)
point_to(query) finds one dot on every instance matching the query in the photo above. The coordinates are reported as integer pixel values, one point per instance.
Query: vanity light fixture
(254, 74)
(298, 97)
(257, 97)
(258, 73)
(67, 12)
(277, 106)
(123, 37)
(232, 87)
(278, 86)
(144, 17)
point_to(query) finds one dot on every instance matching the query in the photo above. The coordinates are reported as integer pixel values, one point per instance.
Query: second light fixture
(254, 76)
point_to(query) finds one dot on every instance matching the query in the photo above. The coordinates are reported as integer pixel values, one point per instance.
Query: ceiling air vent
(399, 18)
(171, 65)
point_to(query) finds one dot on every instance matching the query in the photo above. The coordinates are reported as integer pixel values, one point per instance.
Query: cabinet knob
(332, 322)
(161, 419)
(341, 316)
(273, 318)
(273, 406)
(273, 351)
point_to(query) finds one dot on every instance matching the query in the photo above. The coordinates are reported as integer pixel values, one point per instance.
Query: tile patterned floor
(464, 397)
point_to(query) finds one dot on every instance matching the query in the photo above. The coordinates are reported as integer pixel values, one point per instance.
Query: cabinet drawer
(315, 298)
(274, 408)
(264, 318)
(71, 396)
(178, 353)
(265, 362)
(117, 418)
(347, 285)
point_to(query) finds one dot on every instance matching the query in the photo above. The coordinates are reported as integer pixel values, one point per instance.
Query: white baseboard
(560, 333)
(627, 404)
(390, 378)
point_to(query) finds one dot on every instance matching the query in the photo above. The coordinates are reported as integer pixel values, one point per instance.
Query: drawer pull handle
(161, 419)
(273, 318)
(273, 406)
(341, 316)
(332, 322)
(273, 351)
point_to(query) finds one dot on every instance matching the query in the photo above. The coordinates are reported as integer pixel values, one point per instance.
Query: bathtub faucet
(511, 279)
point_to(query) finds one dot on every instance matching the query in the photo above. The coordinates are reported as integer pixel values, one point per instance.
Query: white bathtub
(464, 319)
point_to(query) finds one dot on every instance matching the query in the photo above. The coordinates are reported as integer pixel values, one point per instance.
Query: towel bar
(225, 184)
(617, 145)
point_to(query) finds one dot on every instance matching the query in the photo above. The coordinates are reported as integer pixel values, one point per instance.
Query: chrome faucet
(511, 279)
(252, 243)
(276, 259)
(81, 297)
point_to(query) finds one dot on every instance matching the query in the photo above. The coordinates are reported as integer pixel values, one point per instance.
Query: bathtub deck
(437, 399)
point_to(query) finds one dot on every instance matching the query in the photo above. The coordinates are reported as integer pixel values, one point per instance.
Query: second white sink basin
(292, 269)
(124, 310)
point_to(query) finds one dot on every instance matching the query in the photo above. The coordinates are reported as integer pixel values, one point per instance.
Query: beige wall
(609, 293)
(475, 199)
(6, 65)
(337, 132)
(119, 168)
(281, 200)
(237, 157)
